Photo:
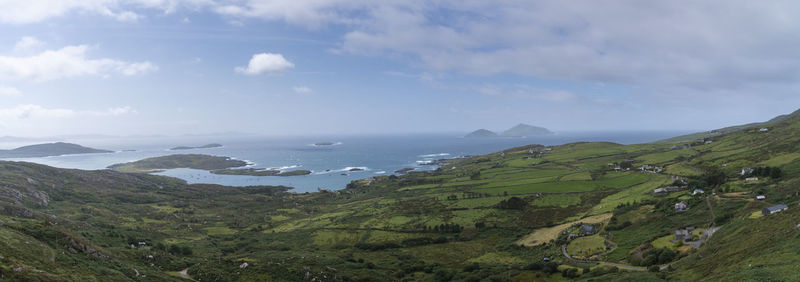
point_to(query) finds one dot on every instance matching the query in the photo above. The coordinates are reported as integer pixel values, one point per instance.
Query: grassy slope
(403, 227)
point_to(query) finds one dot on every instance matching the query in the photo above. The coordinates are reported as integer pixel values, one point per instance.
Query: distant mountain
(522, 129)
(481, 133)
(49, 150)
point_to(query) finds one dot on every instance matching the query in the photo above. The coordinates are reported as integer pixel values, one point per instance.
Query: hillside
(49, 150)
(494, 217)
(195, 161)
(726, 130)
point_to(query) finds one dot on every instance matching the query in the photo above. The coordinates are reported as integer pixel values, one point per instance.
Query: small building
(764, 129)
(709, 142)
(761, 197)
(682, 234)
(682, 206)
(675, 188)
(660, 192)
(588, 229)
(746, 171)
(698, 191)
(751, 179)
(774, 209)
(546, 259)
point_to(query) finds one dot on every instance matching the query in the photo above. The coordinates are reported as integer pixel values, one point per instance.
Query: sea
(331, 165)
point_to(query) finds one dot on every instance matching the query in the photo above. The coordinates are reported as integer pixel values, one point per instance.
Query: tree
(174, 249)
(475, 175)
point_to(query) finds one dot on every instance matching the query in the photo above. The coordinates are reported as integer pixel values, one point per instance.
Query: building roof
(777, 207)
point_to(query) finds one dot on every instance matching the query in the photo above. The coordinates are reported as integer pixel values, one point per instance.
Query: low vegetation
(499, 217)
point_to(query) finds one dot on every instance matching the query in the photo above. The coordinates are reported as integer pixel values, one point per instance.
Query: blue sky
(281, 67)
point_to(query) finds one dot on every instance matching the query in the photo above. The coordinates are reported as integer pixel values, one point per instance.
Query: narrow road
(708, 202)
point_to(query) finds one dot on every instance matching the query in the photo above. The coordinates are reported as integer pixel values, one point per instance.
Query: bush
(570, 273)
(653, 268)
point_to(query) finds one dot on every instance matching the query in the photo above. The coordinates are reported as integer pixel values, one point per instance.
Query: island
(49, 150)
(194, 161)
(324, 144)
(482, 133)
(206, 146)
(520, 130)
(261, 172)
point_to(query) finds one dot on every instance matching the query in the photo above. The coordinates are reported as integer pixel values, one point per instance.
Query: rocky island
(520, 130)
(49, 150)
(194, 161)
(261, 172)
(206, 146)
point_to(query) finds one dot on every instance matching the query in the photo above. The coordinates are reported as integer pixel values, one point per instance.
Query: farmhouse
(761, 197)
(746, 171)
(751, 179)
(682, 234)
(774, 209)
(674, 188)
(588, 229)
(698, 191)
(660, 192)
(764, 129)
(682, 206)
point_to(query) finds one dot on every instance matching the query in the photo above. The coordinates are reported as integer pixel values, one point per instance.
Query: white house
(698, 191)
(682, 206)
(761, 197)
(751, 179)
(764, 129)
(746, 171)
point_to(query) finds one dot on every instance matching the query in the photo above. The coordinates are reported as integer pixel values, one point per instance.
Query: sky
(291, 67)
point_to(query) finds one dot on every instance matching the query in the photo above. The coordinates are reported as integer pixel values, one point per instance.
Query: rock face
(522, 130)
(481, 133)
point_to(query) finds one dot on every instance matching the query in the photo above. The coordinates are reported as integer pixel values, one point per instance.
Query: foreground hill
(49, 150)
(584, 211)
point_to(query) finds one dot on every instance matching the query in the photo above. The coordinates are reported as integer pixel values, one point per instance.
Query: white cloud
(67, 62)
(37, 112)
(27, 44)
(707, 44)
(526, 91)
(302, 89)
(266, 63)
(9, 91)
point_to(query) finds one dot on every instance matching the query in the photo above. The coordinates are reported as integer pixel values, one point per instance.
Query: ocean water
(374, 154)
